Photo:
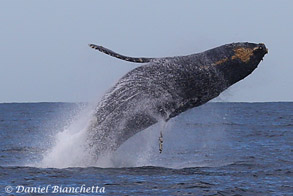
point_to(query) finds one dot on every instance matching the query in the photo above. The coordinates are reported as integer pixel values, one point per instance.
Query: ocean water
(215, 149)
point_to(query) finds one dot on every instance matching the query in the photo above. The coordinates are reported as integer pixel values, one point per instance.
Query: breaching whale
(162, 88)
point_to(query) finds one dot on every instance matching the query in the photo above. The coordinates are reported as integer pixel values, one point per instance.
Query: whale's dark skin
(162, 88)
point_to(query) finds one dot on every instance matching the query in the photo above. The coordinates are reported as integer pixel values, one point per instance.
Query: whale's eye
(260, 47)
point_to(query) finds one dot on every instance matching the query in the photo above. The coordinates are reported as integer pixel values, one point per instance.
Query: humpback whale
(162, 88)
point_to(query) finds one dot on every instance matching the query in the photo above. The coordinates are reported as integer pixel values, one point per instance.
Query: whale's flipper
(119, 56)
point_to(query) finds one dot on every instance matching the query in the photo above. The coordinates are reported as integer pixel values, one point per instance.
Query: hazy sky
(44, 53)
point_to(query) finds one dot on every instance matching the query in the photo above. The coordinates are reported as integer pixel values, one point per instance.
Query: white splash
(69, 149)
(185, 145)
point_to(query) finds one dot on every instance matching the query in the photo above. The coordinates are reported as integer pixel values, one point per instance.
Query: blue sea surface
(215, 149)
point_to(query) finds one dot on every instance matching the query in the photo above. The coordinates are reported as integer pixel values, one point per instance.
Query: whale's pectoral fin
(119, 56)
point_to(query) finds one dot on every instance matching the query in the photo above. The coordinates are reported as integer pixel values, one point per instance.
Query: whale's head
(237, 60)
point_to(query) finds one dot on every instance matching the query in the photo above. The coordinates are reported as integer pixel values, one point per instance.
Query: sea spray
(70, 148)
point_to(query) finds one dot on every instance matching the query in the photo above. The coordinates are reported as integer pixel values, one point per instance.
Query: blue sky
(44, 53)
